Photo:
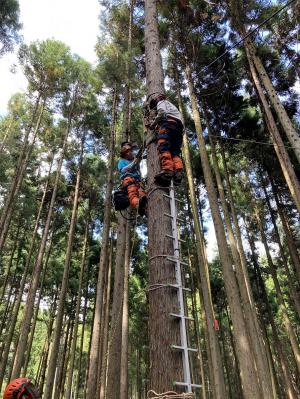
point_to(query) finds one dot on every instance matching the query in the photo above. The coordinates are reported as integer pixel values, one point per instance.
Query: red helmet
(21, 388)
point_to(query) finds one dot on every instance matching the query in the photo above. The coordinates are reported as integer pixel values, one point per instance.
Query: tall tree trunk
(42, 373)
(18, 180)
(238, 14)
(125, 321)
(64, 287)
(291, 394)
(7, 131)
(283, 157)
(76, 396)
(95, 345)
(286, 228)
(251, 320)
(284, 262)
(76, 320)
(14, 318)
(10, 263)
(217, 379)
(286, 320)
(28, 311)
(274, 99)
(105, 349)
(37, 308)
(115, 345)
(165, 363)
(249, 377)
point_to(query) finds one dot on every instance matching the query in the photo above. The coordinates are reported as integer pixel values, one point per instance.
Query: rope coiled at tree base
(170, 395)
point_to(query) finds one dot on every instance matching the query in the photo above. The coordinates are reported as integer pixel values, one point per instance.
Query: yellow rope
(170, 395)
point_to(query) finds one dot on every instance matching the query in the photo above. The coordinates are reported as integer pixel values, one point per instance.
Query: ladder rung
(185, 384)
(176, 260)
(181, 348)
(179, 316)
(178, 200)
(177, 218)
(178, 286)
(173, 238)
(168, 215)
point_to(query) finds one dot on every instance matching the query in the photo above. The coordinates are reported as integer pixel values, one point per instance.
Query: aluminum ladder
(182, 317)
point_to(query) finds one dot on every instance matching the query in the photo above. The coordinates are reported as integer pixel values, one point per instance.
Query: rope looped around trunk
(170, 395)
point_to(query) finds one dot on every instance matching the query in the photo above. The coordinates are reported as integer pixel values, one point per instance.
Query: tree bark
(28, 311)
(95, 345)
(284, 262)
(286, 228)
(115, 345)
(286, 321)
(125, 320)
(251, 320)
(217, 379)
(18, 179)
(76, 320)
(165, 363)
(64, 287)
(36, 313)
(249, 377)
(274, 99)
(105, 348)
(16, 309)
(282, 359)
(283, 157)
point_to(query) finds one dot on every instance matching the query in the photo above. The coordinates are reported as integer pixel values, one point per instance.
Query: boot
(178, 174)
(142, 208)
(164, 178)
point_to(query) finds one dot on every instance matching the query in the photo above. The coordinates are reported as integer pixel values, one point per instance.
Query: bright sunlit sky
(74, 22)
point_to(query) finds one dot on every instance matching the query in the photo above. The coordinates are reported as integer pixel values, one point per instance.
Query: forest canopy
(97, 303)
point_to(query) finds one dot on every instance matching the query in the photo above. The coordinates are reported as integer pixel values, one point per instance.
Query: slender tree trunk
(14, 318)
(7, 131)
(289, 236)
(283, 157)
(114, 356)
(286, 321)
(105, 348)
(251, 320)
(64, 287)
(242, 255)
(217, 379)
(76, 321)
(284, 261)
(36, 313)
(249, 377)
(28, 311)
(165, 363)
(12, 327)
(42, 374)
(18, 180)
(95, 345)
(274, 99)
(76, 396)
(291, 394)
(125, 321)
(8, 275)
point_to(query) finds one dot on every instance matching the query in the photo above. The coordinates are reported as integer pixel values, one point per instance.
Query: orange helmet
(20, 388)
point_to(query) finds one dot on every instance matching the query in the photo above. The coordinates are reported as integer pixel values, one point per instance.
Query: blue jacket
(133, 171)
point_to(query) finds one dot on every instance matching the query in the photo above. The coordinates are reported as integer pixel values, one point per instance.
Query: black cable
(245, 37)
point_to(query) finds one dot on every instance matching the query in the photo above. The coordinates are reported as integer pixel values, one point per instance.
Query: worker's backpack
(120, 200)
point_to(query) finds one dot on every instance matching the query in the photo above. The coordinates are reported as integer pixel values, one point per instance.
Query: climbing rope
(170, 395)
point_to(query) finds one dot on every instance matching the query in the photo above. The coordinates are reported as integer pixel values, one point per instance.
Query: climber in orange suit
(169, 128)
(128, 166)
